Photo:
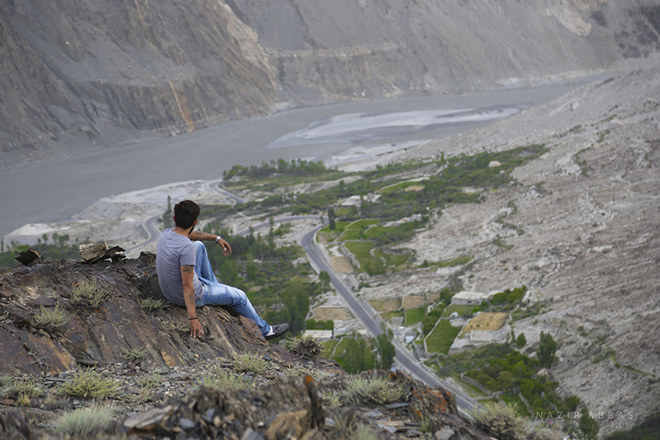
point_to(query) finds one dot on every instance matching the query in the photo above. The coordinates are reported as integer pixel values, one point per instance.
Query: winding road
(318, 261)
(403, 356)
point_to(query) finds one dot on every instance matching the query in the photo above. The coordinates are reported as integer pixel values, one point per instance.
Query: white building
(470, 298)
(321, 335)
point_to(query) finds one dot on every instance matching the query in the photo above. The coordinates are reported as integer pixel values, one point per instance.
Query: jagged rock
(93, 252)
(444, 434)
(98, 337)
(90, 251)
(149, 421)
(27, 257)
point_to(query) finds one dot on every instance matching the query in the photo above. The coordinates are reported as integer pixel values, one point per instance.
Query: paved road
(149, 226)
(403, 357)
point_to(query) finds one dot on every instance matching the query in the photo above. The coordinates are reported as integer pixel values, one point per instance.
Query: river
(52, 191)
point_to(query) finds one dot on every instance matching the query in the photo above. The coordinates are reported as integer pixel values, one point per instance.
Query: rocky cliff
(129, 342)
(103, 335)
(76, 75)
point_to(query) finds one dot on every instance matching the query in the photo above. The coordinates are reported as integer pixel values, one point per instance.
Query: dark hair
(185, 213)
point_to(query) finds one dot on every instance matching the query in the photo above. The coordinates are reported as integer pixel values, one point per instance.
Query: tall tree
(331, 218)
(324, 278)
(385, 350)
(547, 349)
(588, 425)
(355, 356)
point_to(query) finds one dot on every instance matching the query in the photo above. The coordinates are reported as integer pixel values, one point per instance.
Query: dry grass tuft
(85, 422)
(51, 319)
(89, 295)
(89, 384)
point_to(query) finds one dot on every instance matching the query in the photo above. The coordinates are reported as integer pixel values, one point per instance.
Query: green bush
(133, 354)
(23, 391)
(306, 347)
(509, 297)
(224, 381)
(151, 304)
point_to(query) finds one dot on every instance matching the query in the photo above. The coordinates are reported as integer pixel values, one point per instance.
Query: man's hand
(226, 249)
(196, 329)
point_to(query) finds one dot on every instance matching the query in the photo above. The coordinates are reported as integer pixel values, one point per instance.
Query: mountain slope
(78, 75)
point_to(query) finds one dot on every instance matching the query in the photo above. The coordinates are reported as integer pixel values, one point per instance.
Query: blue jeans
(216, 294)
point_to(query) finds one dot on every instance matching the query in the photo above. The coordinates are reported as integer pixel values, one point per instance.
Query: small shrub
(224, 381)
(361, 433)
(51, 319)
(331, 400)
(150, 304)
(306, 347)
(177, 326)
(250, 362)
(500, 421)
(146, 387)
(88, 295)
(378, 390)
(426, 424)
(5, 380)
(23, 392)
(86, 422)
(89, 383)
(133, 354)
(54, 402)
(150, 382)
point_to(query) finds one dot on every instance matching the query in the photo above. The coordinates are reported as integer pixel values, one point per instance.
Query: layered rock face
(90, 73)
(105, 334)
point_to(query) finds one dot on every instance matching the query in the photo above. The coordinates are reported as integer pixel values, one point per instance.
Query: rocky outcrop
(85, 74)
(276, 404)
(120, 325)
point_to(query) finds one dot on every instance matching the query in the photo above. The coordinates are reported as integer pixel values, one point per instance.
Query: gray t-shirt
(175, 250)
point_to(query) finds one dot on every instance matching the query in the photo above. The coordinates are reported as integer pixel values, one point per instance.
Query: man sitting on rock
(187, 279)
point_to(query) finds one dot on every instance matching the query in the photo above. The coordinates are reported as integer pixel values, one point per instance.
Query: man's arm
(187, 275)
(203, 236)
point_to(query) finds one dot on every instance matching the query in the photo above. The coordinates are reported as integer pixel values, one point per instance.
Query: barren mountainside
(90, 73)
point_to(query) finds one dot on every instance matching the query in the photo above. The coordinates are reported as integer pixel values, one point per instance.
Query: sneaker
(277, 330)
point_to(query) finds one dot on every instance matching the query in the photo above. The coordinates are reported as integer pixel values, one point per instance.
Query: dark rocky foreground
(120, 324)
(278, 403)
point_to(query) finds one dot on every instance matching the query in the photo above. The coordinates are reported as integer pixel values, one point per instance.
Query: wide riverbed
(55, 190)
